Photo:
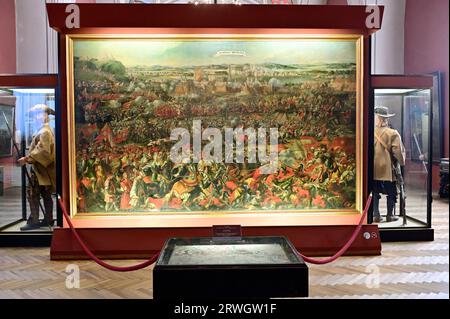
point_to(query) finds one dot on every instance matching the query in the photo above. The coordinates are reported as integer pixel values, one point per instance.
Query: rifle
(397, 169)
(27, 174)
(420, 152)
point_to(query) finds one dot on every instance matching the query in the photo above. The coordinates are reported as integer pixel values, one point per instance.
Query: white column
(31, 35)
(37, 43)
(52, 42)
(388, 44)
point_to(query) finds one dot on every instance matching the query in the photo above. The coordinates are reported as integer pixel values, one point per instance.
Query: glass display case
(410, 104)
(230, 268)
(18, 95)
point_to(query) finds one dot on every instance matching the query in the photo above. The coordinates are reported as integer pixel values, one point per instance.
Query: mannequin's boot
(376, 209)
(390, 208)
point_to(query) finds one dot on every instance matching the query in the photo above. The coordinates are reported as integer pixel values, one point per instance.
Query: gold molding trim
(359, 40)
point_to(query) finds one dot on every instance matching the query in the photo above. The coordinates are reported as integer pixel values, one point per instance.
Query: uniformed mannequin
(388, 148)
(41, 156)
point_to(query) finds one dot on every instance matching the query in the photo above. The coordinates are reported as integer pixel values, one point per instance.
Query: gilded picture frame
(357, 40)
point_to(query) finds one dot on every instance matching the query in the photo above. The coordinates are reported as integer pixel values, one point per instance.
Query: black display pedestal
(247, 268)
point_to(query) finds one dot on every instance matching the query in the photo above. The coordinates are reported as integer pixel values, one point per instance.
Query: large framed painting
(203, 124)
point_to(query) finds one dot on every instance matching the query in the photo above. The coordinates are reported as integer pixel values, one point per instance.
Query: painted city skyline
(185, 53)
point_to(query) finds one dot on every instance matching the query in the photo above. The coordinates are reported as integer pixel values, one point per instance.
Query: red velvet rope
(154, 258)
(347, 245)
(95, 258)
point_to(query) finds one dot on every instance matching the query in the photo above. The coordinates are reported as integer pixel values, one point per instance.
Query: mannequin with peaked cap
(388, 148)
(41, 156)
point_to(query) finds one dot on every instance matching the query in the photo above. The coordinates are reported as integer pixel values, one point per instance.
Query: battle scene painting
(130, 94)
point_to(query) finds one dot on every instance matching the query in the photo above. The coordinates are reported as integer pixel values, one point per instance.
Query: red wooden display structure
(214, 19)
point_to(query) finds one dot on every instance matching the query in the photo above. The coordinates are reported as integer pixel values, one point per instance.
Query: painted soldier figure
(125, 185)
(388, 148)
(41, 156)
(110, 194)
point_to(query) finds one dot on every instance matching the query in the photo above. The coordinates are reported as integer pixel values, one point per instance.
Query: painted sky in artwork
(179, 53)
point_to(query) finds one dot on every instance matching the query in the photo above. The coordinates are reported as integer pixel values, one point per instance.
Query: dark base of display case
(401, 234)
(128, 243)
(23, 239)
(255, 282)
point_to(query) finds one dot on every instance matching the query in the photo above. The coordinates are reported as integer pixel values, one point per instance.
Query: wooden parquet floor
(405, 270)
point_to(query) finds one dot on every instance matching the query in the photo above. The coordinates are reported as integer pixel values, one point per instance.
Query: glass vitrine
(410, 104)
(19, 95)
(245, 251)
(229, 268)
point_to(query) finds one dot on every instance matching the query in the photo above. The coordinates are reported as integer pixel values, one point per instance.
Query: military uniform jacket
(383, 157)
(42, 154)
